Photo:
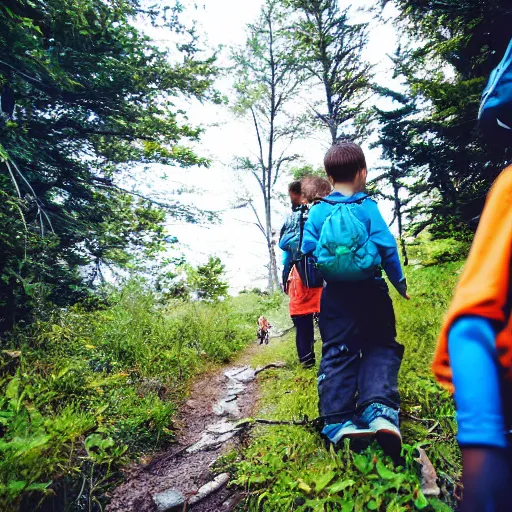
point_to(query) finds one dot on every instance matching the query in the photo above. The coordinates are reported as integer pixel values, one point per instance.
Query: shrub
(91, 386)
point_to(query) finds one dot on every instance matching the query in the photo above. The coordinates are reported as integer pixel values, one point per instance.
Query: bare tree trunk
(273, 265)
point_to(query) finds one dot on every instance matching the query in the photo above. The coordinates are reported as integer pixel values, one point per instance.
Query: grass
(288, 468)
(88, 389)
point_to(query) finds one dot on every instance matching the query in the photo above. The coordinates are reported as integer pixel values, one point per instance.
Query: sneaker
(338, 431)
(383, 421)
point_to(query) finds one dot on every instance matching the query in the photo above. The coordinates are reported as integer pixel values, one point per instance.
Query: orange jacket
(263, 323)
(303, 300)
(484, 288)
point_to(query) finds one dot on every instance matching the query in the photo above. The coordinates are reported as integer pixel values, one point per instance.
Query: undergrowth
(86, 390)
(289, 468)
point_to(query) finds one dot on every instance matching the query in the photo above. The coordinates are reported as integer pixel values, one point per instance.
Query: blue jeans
(360, 355)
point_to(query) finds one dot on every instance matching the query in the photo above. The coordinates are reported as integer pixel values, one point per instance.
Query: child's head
(295, 193)
(345, 163)
(314, 188)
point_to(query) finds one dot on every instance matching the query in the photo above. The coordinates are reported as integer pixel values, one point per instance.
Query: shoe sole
(357, 435)
(390, 443)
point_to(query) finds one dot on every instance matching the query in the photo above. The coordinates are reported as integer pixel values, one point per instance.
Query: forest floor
(206, 430)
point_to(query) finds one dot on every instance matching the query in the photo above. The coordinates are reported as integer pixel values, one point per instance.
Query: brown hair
(315, 187)
(343, 161)
(295, 187)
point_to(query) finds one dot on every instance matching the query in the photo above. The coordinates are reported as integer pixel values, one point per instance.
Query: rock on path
(182, 475)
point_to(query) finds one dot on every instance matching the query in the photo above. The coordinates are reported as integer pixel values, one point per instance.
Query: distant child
(263, 330)
(346, 234)
(474, 357)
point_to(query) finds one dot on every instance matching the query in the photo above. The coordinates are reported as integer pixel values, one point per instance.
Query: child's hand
(402, 289)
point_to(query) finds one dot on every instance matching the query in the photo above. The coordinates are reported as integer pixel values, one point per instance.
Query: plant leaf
(385, 472)
(340, 486)
(324, 480)
(420, 502)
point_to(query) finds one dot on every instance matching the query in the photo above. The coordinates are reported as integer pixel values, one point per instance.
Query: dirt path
(206, 425)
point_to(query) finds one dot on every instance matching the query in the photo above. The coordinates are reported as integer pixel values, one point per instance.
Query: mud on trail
(177, 478)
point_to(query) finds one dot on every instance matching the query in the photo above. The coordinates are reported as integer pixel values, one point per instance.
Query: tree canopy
(448, 54)
(94, 97)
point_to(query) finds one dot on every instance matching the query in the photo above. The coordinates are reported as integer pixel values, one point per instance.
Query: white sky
(239, 243)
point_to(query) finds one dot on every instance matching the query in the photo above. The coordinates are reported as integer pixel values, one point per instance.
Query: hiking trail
(182, 477)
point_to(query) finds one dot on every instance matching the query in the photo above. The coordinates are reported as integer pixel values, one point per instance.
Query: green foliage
(330, 45)
(289, 468)
(94, 98)
(307, 170)
(92, 387)
(428, 251)
(444, 64)
(208, 281)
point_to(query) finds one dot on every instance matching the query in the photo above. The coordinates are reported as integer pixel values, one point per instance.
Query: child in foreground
(474, 357)
(357, 379)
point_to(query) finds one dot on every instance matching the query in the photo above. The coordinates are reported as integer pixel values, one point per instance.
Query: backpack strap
(335, 203)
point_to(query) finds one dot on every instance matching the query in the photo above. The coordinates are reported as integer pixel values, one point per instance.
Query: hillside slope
(287, 468)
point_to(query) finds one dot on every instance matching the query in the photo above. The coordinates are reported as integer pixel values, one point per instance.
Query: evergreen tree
(93, 97)
(208, 281)
(456, 45)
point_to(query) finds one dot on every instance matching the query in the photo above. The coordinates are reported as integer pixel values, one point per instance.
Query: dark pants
(360, 356)
(305, 338)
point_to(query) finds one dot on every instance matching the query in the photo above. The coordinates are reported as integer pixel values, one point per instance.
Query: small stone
(429, 485)
(247, 375)
(223, 408)
(221, 428)
(210, 442)
(235, 388)
(230, 398)
(210, 488)
(168, 500)
(230, 374)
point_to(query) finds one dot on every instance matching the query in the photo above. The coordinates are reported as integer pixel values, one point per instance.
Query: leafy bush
(90, 387)
(435, 252)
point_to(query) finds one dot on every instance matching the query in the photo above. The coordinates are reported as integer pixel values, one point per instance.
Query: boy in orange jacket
(474, 357)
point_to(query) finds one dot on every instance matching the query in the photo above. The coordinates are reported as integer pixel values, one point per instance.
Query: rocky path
(182, 478)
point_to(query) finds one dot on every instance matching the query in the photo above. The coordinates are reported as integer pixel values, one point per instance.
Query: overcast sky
(235, 239)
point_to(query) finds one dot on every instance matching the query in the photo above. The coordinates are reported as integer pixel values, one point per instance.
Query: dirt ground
(180, 470)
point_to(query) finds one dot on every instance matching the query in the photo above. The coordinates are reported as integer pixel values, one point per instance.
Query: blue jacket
(369, 215)
(476, 376)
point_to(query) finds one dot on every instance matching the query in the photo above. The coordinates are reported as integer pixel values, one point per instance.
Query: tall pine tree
(456, 45)
(330, 46)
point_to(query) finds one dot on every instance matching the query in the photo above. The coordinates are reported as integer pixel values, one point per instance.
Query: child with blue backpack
(473, 359)
(350, 241)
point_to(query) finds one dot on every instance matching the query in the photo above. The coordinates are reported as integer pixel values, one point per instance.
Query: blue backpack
(345, 251)
(495, 115)
(291, 233)
(291, 241)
